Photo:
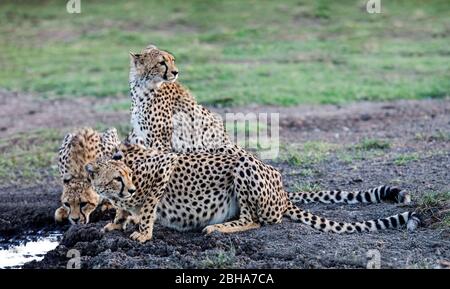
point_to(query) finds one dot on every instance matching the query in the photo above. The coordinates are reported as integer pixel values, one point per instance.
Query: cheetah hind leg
(240, 225)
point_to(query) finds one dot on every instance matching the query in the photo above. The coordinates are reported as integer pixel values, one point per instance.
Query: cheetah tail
(374, 195)
(411, 220)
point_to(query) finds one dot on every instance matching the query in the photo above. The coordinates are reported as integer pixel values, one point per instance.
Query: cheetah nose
(175, 73)
(75, 220)
(131, 191)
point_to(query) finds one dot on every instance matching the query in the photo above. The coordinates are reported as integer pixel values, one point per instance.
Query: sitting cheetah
(82, 146)
(164, 114)
(217, 192)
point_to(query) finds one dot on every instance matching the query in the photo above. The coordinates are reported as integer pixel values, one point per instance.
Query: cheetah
(218, 192)
(165, 115)
(78, 148)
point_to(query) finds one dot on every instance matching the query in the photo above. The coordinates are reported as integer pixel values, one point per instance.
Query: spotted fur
(165, 115)
(217, 192)
(82, 146)
(374, 195)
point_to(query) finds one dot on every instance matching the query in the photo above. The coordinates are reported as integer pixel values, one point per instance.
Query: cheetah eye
(119, 179)
(67, 204)
(162, 62)
(83, 204)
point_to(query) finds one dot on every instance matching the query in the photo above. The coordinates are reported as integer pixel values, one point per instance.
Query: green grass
(405, 159)
(349, 155)
(436, 136)
(220, 260)
(307, 187)
(365, 149)
(435, 206)
(373, 144)
(306, 154)
(232, 52)
(30, 156)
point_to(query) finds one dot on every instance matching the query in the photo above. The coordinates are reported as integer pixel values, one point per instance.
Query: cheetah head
(153, 65)
(78, 199)
(112, 179)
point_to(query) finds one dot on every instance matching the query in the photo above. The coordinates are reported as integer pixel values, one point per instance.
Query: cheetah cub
(217, 192)
(78, 148)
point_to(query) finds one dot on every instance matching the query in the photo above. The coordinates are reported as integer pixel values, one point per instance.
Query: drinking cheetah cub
(78, 148)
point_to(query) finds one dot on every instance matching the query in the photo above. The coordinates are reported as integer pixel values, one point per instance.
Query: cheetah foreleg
(146, 219)
(147, 213)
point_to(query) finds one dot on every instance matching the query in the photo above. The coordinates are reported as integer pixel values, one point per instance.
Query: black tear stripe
(84, 216)
(81, 212)
(165, 72)
(122, 187)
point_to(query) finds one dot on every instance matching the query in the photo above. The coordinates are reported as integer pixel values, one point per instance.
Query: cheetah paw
(137, 236)
(210, 229)
(111, 227)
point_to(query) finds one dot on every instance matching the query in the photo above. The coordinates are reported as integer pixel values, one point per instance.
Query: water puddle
(16, 252)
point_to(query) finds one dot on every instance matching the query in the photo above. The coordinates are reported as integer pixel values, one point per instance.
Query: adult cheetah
(218, 192)
(164, 114)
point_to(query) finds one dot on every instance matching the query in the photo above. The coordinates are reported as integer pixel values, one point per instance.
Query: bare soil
(409, 126)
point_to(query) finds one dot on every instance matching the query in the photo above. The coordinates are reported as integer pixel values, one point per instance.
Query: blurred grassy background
(233, 52)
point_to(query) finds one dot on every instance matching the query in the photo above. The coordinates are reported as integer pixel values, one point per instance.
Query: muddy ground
(418, 127)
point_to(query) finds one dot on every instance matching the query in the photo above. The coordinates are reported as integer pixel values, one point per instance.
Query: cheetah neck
(141, 87)
(142, 92)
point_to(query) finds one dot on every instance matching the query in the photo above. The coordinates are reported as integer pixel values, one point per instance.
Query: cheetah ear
(135, 56)
(150, 47)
